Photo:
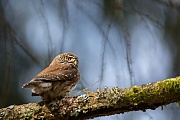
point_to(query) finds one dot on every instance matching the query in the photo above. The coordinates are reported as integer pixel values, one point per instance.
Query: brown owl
(58, 79)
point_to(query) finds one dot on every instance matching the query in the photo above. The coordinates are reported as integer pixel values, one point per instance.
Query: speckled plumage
(58, 79)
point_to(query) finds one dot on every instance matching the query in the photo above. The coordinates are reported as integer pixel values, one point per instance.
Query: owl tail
(30, 85)
(27, 85)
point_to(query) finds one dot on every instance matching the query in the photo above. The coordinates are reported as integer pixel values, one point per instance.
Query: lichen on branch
(102, 102)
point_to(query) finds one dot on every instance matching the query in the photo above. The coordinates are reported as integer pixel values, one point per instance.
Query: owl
(58, 79)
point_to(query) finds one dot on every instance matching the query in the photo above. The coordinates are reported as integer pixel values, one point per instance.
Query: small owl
(58, 79)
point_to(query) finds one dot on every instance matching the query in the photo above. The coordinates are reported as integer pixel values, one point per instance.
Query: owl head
(65, 58)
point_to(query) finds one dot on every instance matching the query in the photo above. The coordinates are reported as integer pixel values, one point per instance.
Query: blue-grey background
(119, 43)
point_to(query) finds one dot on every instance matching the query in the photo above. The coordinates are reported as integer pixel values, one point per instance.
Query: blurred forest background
(119, 43)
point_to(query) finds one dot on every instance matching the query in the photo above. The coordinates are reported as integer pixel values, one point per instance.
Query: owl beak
(76, 62)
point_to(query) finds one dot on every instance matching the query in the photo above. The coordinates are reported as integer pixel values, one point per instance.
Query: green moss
(75, 112)
(37, 109)
(27, 114)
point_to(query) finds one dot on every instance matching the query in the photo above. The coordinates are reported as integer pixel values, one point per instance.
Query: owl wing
(58, 72)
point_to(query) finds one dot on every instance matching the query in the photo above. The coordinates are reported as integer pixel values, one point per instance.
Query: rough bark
(100, 103)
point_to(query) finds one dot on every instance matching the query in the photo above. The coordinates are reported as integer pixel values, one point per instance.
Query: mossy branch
(100, 103)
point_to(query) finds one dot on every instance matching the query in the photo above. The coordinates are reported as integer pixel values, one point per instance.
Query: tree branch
(100, 103)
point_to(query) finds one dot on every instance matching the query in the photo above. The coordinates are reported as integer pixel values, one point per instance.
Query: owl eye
(69, 58)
